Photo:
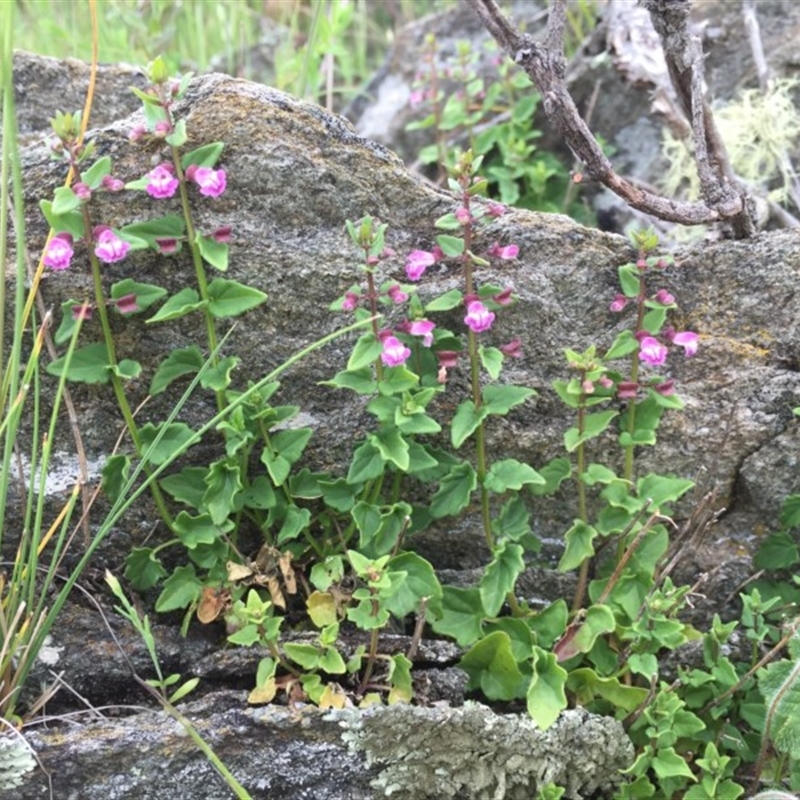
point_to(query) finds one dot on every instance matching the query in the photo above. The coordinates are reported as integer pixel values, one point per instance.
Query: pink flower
(394, 352)
(605, 382)
(513, 349)
(423, 328)
(212, 182)
(396, 293)
(504, 298)
(618, 303)
(588, 387)
(419, 260)
(447, 358)
(112, 184)
(463, 215)
(162, 129)
(167, 246)
(664, 297)
(666, 389)
(652, 352)
(59, 252)
(82, 312)
(478, 318)
(136, 133)
(162, 181)
(506, 253)
(223, 234)
(110, 247)
(126, 304)
(626, 390)
(82, 191)
(688, 341)
(495, 209)
(350, 301)
(416, 97)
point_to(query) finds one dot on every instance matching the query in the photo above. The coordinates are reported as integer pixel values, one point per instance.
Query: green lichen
(15, 761)
(472, 753)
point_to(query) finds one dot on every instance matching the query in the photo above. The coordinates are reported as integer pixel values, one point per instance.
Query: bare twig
(544, 63)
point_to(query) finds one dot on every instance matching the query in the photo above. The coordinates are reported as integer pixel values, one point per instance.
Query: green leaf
(127, 369)
(218, 378)
(511, 474)
(593, 425)
(492, 668)
(115, 475)
(462, 615)
(205, 156)
(625, 344)
(181, 589)
(367, 350)
(630, 280)
(446, 301)
(777, 551)
(392, 446)
(555, 472)
(178, 137)
(360, 381)
(582, 633)
(779, 685)
(402, 690)
(654, 320)
(421, 582)
(170, 226)
(229, 298)
(668, 764)
(93, 176)
(465, 422)
(492, 361)
(586, 685)
(500, 576)
(173, 438)
(179, 305)
(184, 361)
(452, 246)
(367, 464)
(88, 364)
(143, 569)
(294, 523)
(579, 547)
(187, 486)
(196, 530)
(223, 489)
(549, 623)
(72, 222)
(513, 522)
(65, 200)
(146, 293)
(660, 489)
(214, 252)
(379, 527)
(285, 449)
(790, 512)
(501, 399)
(546, 698)
(454, 491)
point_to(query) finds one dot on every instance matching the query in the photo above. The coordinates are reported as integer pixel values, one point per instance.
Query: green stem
(116, 381)
(628, 467)
(199, 271)
(583, 573)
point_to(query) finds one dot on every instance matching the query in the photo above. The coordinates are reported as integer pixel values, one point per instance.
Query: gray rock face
(296, 174)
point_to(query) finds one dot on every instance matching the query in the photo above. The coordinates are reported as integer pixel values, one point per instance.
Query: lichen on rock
(473, 753)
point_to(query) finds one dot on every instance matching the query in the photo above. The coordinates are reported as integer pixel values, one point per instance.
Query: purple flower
(59, 252)
(513, 349)
(478, 318)
(652, 352)
(223, 234)
(112, 184)
(423, 328)
(504, 298)
(350, 301)
(495, 209)
(618, 303)
(688, 341)
(162, 181)
(396, 293)
(82, 312)
(419, 260)
(626, 390)
(82, 191)
(664, 297)
(506, 253)
(110, 247)
(126, 304)
(167, 246)
(212, 182)
(666, 389)
(394, 352)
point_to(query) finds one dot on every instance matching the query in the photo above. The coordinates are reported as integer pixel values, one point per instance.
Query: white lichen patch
(472, 753)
